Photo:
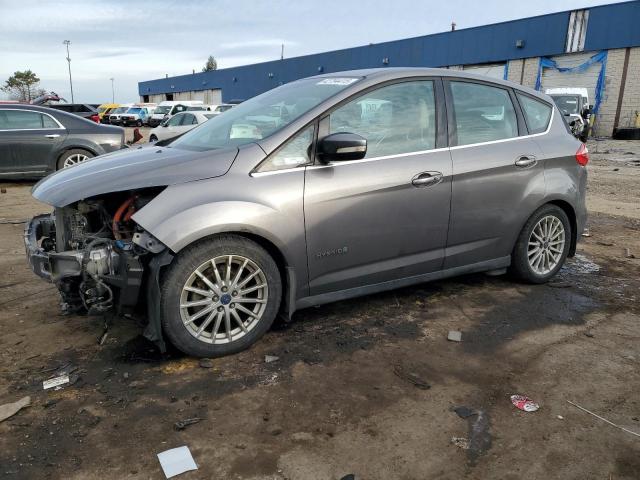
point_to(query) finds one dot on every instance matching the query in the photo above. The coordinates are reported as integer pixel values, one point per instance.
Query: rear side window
(482, 113)
(536, 113)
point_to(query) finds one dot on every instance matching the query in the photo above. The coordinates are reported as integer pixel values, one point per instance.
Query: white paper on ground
(55, 382)
(176, 461)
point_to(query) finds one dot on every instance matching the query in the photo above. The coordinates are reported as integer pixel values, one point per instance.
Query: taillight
(582, 155)
(95, 118)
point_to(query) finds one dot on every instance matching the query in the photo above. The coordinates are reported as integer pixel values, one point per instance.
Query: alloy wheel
(223, 299)
(546, 245)
(74, 159)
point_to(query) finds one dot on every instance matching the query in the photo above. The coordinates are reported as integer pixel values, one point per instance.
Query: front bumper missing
(50, 265)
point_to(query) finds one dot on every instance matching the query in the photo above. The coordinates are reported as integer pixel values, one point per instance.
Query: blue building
(596, 48)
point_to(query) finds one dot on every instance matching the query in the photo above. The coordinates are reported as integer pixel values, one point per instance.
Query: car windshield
(134, 110)
(263, 115)
(568, 104)
(121, 110)
(162, 109)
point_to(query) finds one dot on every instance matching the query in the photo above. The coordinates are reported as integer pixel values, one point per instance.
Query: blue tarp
(601, 57)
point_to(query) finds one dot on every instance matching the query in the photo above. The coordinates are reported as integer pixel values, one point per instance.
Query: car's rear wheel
(219, 296)
(139, 123)
(543, 245)
(73, 157)
(153, 138)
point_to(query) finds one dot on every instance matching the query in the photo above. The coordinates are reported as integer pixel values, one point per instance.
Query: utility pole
(113, 95)
(67, 43)
(282, 52)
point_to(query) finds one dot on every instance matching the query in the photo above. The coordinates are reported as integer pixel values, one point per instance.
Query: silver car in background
(323, 189)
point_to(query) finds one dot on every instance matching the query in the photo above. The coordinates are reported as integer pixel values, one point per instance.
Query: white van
(169, 108)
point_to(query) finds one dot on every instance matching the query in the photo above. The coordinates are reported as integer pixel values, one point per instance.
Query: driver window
(175, 121)
(395, 119)
(294, 153)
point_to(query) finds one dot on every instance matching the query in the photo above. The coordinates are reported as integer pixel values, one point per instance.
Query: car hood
(142, 167)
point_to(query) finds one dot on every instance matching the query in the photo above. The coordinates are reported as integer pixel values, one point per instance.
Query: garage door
(493, 70)
(588, 79)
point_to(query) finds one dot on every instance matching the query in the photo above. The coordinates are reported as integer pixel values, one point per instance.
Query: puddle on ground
(580, 265)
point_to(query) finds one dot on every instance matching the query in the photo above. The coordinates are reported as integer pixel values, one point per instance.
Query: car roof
(393, 73)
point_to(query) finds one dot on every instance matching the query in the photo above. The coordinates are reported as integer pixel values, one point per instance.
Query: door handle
(52, 135)
(425, 179)
(526, 161)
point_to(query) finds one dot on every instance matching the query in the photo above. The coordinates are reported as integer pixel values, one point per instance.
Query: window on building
(395, 119)
(482, 113)
(294, 153)
(577, 31)
(536, 112)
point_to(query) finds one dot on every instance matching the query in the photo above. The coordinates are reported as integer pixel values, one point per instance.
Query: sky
(136, 40)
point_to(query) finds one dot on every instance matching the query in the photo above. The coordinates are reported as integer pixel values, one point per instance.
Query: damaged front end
(98, 257)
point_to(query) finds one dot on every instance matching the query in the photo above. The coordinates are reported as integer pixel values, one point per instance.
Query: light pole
(113, 95)
(67, 43)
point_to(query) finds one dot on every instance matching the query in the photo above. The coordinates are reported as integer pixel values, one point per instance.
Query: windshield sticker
(337, 81)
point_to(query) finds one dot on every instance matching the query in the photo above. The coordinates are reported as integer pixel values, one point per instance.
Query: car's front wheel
(543, 245)
(153, 138)
(219, 296)
(73, 157)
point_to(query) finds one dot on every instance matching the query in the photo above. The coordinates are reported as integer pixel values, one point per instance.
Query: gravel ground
(364, 387)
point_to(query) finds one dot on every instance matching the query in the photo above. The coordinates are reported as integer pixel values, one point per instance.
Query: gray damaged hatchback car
(323, 189)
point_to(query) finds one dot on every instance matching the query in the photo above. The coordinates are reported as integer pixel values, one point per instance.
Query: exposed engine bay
(93, 251)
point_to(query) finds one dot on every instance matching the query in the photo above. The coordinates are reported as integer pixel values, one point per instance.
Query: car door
(385, 217)
(29, 140)
(498, 172)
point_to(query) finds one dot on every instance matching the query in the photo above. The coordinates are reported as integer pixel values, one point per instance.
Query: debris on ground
(10, 409)
(479, 441)
(411, 378)
(3, 190)
(604, 419)
(605, 244)
(55, 382)
(206, 363)
(588, 334)
(586, 233)
(176, 461)
(270, 358)
(524, 403)
(628, 254)
(454, 336)
(182, 424)
(460, 442)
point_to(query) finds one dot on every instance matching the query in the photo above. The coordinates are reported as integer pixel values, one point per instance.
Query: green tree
(22, 86)
(210, 65)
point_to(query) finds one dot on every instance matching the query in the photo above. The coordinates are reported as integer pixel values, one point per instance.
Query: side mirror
(339, 147)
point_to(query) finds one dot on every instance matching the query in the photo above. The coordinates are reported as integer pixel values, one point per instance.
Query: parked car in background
(35, 141)
(83, 110)
(331, 202)
(179, 124)
(105, 109)
(217, 109)
(138, 115)
(573, 103)
(169, 108)
(114, 116)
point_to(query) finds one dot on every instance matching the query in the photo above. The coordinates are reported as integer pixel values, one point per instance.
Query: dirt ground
(364, 387)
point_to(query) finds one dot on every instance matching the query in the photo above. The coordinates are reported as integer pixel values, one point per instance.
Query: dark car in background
(35, 141)
(83, 110)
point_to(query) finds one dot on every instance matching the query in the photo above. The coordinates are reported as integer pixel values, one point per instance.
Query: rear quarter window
(536, 113)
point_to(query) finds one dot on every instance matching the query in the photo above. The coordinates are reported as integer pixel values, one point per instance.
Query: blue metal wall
(610, 26)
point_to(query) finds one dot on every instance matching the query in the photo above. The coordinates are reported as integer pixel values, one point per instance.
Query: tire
(139, 123)
(153, 138)
(530, 265)
(73, 157)
(182, 324)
